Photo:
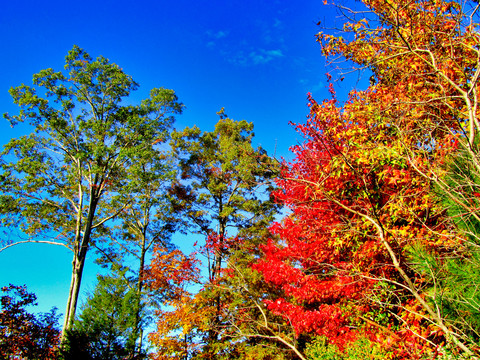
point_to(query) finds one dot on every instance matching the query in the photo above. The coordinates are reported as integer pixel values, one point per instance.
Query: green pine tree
(105, 328)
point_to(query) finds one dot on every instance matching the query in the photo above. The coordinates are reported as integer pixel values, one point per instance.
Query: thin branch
(37, 242)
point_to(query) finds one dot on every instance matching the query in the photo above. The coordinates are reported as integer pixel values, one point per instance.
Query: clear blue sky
(258, 59)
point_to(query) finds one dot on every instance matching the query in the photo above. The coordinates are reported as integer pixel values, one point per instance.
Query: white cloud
(217, 35)
(264, 56)
(254, 57)
(242, 51)
(220, 34)
(214, 36)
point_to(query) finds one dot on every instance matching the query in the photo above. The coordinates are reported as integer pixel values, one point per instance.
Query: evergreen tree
(453, 273)
(222, 194)
(105, 328)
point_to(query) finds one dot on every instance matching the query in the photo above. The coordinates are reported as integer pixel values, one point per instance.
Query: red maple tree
(361, 187)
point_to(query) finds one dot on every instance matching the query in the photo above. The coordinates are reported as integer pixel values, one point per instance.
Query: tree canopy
(57, 181)
(376, 254)
(374, 249)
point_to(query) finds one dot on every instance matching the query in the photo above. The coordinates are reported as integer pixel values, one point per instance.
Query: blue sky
(258, 59)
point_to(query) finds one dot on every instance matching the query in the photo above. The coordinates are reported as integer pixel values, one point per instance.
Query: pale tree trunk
(81, 248)
(77, 272)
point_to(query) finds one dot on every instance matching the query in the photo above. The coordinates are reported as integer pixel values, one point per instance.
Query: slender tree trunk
(77, 272)
(222, 229)
(77, 268)
(217, 267)
(140, 340)
(138, 333)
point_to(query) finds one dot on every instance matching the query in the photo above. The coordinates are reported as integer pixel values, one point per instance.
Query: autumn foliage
(357, 209)
(378, 254)
(363, 188)
(22, 334)
(168, 276)
(383, 225)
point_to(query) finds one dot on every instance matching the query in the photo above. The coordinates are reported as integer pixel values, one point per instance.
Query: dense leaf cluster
(377, 258)
(23, 334)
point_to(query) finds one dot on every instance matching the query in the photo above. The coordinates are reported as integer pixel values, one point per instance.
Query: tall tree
(223, 192)
(146, 221)
(424, 56)
(356, 209)
(226, 181)
(56, 181)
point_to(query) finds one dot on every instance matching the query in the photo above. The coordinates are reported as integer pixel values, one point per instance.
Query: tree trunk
(77, 272)
(77, 268)
(217, 268)
(137, 334)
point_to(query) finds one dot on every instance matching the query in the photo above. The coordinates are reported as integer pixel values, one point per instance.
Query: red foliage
(218, 243)
(169, 272)
(21, 333)
(344, 180)
(360, 187)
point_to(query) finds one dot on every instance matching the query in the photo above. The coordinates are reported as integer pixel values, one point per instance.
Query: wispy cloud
(271, 32)
(216, 35)
(253, 57)
(219, 34)
(264, 56)
(243, 49)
